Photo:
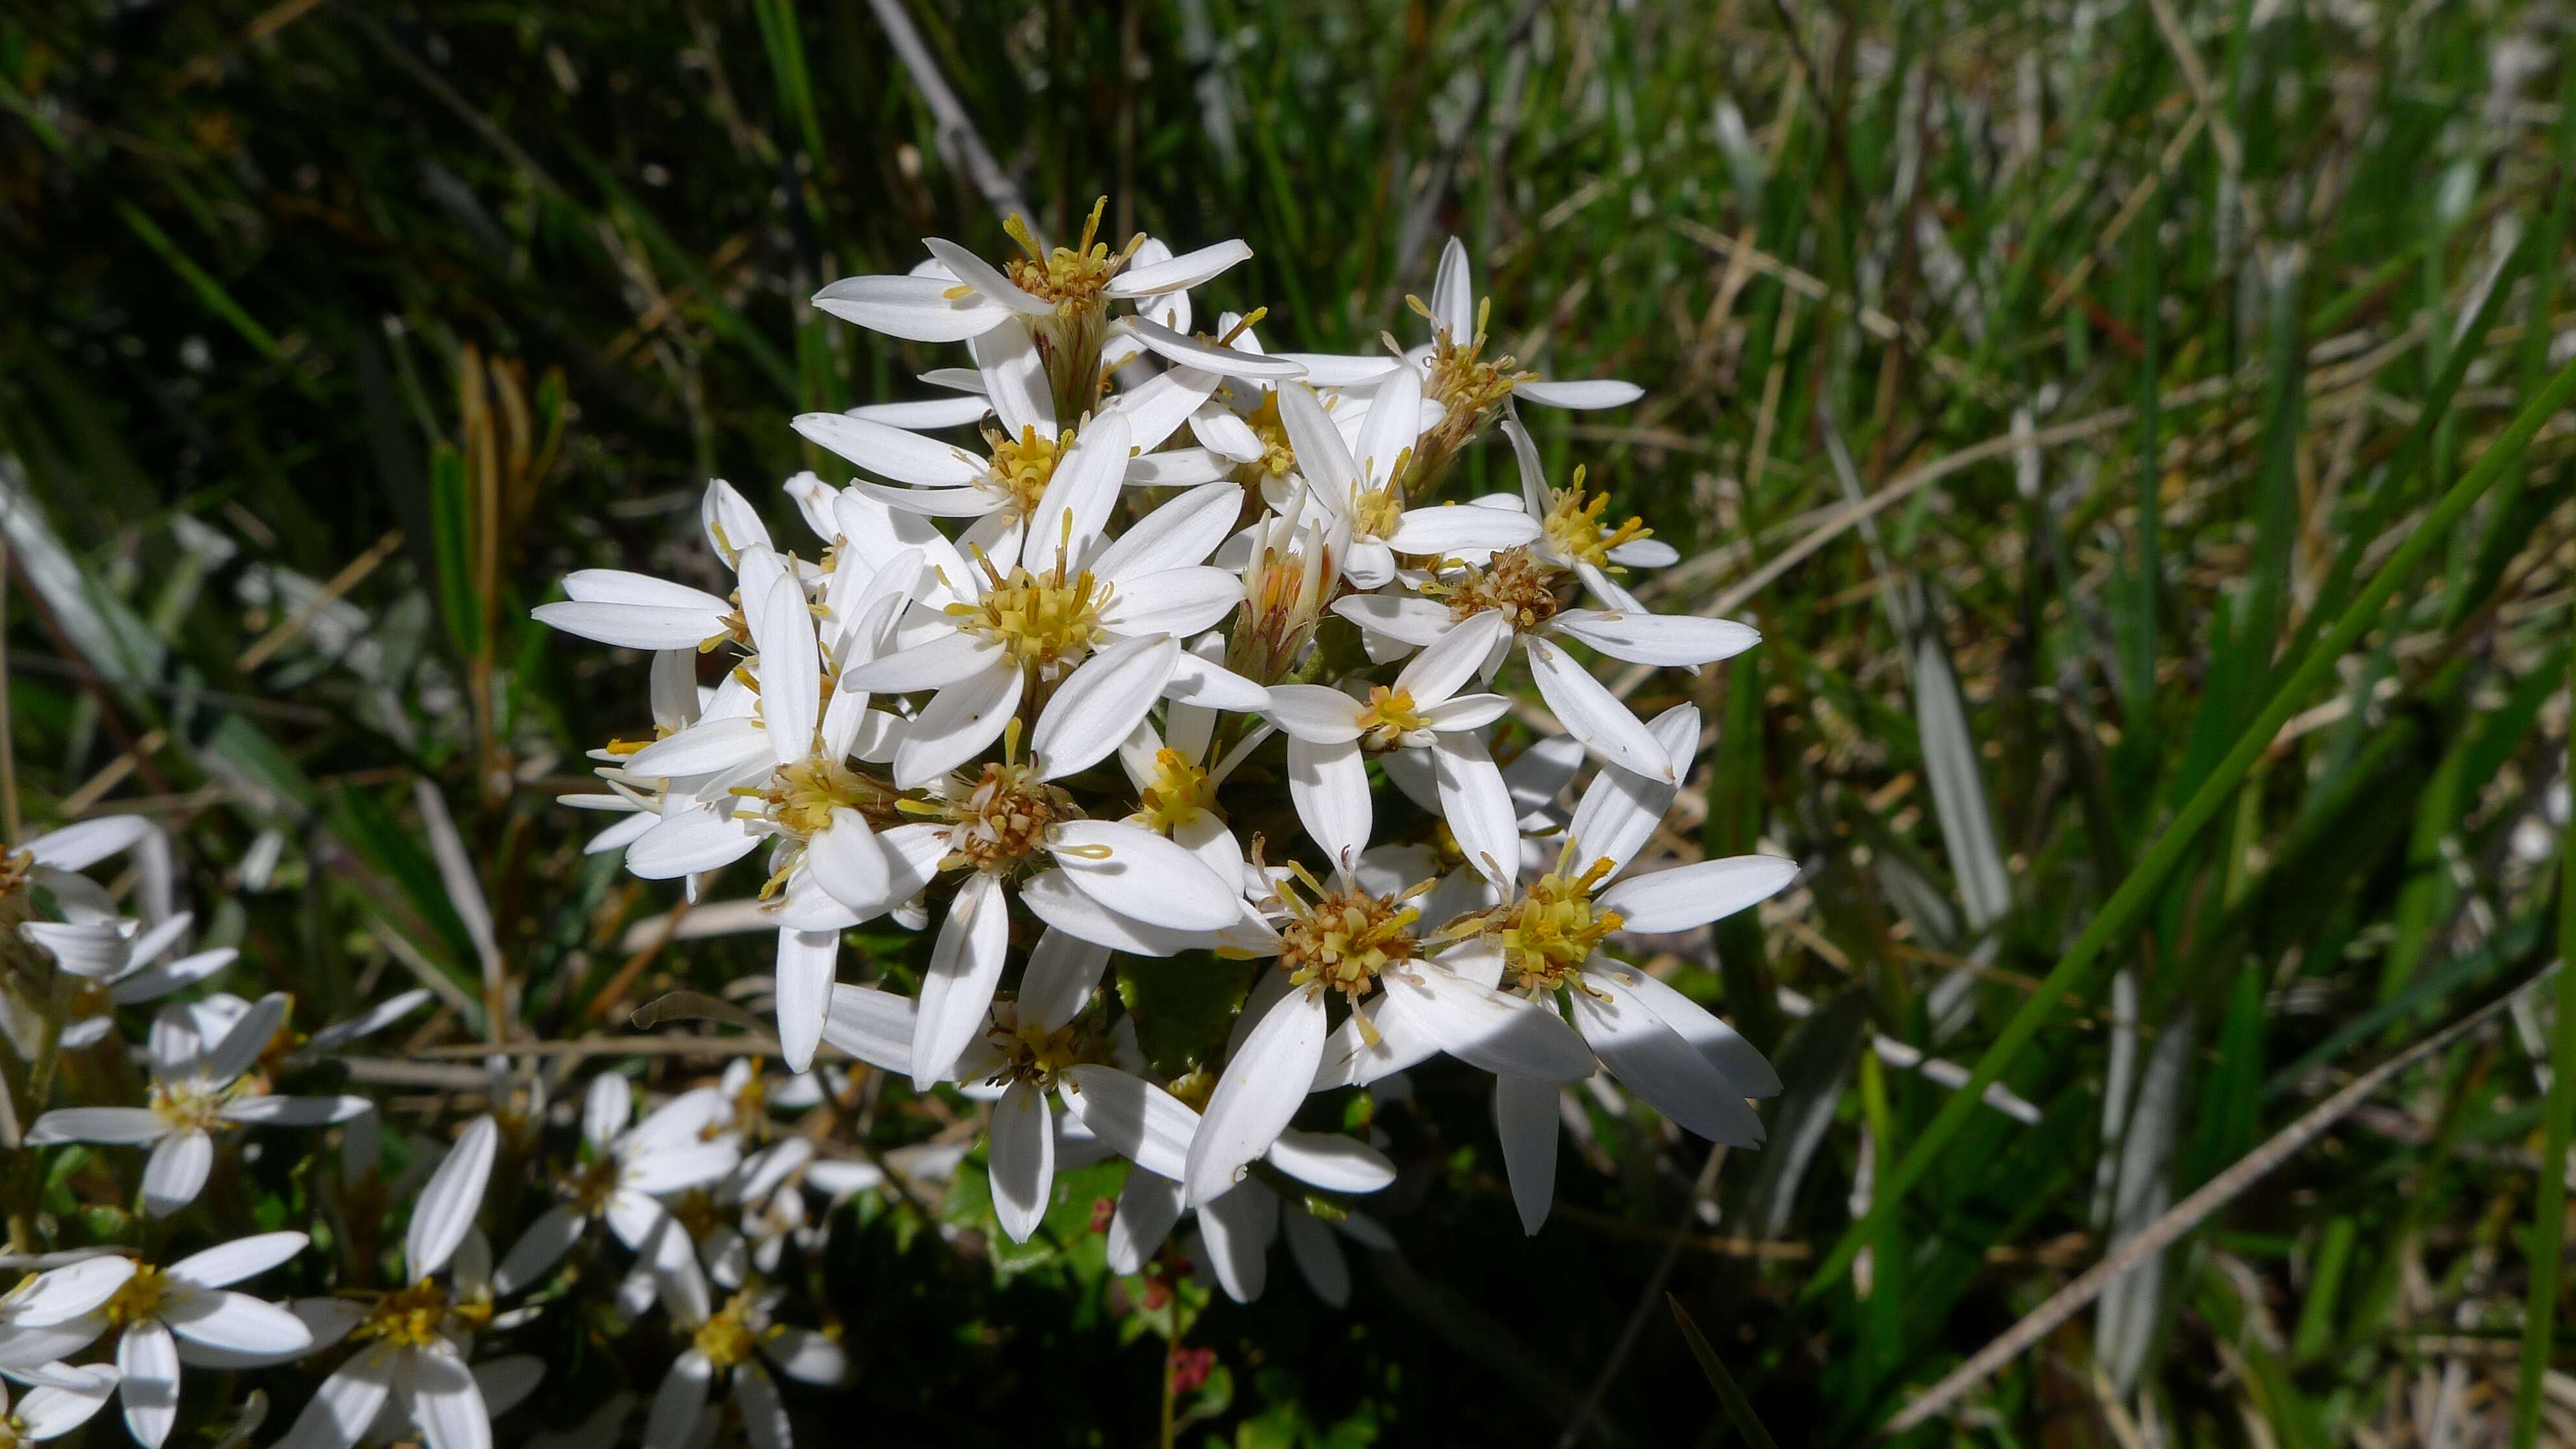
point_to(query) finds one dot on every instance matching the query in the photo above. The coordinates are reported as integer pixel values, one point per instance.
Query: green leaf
(451, 512)
(1739, 1409)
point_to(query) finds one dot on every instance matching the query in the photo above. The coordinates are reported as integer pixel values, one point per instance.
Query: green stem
(2073, 973)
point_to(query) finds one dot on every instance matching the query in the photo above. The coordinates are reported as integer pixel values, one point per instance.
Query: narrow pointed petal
(1140, 1121)
(449, 1200)
(1101, 703)
(874, 1026)
(1451, 528)
(538, 1249)
(891, 452)
(1478, 807)
(1329, 786)
(1315, 713)
(917, 309)
(125, 1125)
(1015, 381)
(1525, 1122)
(1144, 876)
(962, 721)
(1259, 1093)
(1507, 1035)
(1023, 1160)
(237, 1323)
(1660, 639)
(1693, 895)
(345, 1405)
(1332, 1161)
(147, 1365)
(1180, 534)
(1447, 663)
(985, 278)
(948, 659)
(1079, 495)
(1592, 714)
(1322, 456)
(806, 962)
(1585, 393)
(446, 1402)
(177, 1171)
(1188, 351)
(1062, 972)
(1652, 1060)
(965, 967)
(1453, 292)
(229, 1263)
(1237, 1229)
(1619, 810)
(1742, 1063)
(1189, 269)
(1148, 1206)
(1172, 601)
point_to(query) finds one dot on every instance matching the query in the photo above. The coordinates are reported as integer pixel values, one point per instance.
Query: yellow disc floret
(139, 1298)
(1515, 583)
(1389, 718)
(1554, 927)
(728, 1338)
(413, 1317)
(1023, 466)
(1001, 822)
(1181, 793)
(1046, 622)
(1345, 940)
(1575, 530)
(1071, 277)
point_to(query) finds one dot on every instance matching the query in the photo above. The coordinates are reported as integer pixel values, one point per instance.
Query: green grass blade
(2074, 971)
(2549, 1201)
(1739, 1409)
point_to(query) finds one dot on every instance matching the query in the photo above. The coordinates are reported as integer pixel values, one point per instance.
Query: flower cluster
(1063, 637)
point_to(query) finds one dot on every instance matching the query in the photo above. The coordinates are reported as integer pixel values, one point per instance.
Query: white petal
(891, 452)
(85, 843)
(965, 967)
(1592, 714)
(1079, 495)
(1322, 456)
(1237, 1229)
(631, 626)
(807, 1356)
(1413, 620)
(73, 1290)
(1478, 806)
(1157, 409)
(1652, 1060)
(1447, 663)
(705, 748)
(96, 950)
(1696, 894)
(1453, 293)
(1466, 712)
(1053, 898)
(1061, 973)
(1023, 1160)
(1222, 433)
(848, 863)
(507, 1381)
(1315, 713)
(1329, 369)
(688, 843)
(791, 673)
(1143, 876)
(237, 1323)
(176, 1172)
(1148, 1206)
(1209, 686)
(1172, 601)
(123, 1125)
(296, 1111)
(1645, 553)
(1525, 1122)
(806, 961)
(1015, 381)
(1332, 1161)
(1189, 269)
(1140, 1121)
(1452, 529)
(755, 1399)
(449, 1200)
(874, 1026)
(1329, 785)
(938, 412)
(916, 309)
(147, 1365)
(1619, 811)
(539, 1249)
(1101, 703)
(1259, 1093)
(344, 1406)
(618, 586)
(229, 1263)
(445, 1401)
(1607, 392)
(961, 721)
(1738, 1060)
(985, 278)
(1664, 639)
(1180, 534)
(1507, 1035)
(1189, 351)
(950, 658)
(1319, 1259)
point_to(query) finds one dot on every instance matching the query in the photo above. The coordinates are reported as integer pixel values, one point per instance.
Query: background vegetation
(2046, 380)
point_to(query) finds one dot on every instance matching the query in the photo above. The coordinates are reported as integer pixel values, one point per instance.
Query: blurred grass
(2266, 281)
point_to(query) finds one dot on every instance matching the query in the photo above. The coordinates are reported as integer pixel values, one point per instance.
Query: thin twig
(960, 144)
(349, 577)
(2185, 1216)
(9, 817)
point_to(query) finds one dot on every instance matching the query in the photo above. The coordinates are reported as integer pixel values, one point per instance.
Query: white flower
(142, 977)
(1367, 489)
(1237, 1228)
(65, 1401)
(197, 1090)
(184, 1314)
(625, 1178)
(1454, 361)
(1546, 944)
(54, 859)
(638, 611)
(1330, 734)
(49, 1313)
(729, 1344)
(1361, 943)
(411, 1364)
(1572, 535)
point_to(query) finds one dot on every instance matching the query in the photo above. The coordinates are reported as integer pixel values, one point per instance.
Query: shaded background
(335, 331)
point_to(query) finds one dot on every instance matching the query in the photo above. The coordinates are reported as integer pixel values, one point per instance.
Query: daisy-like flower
(1367, 488)
(49, 1313)
(54, 860)
(143, 977)
(414, 1343)
(197, 1090)
(186, 1314)
(735, 1344)
(1088, 625)
(1236, 1229)
(1331, 734)
(1176, 784)
(67, 1399)
(637, 800)
(1529, 594)
(1360, 944)
(626, 1176)
(1547, 943)
(1059, 300)
(639, 611)
(1573, 535)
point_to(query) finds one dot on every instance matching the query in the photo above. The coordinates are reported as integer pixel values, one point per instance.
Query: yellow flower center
(728, 1338)
(1574, 525)
(1375, 512)
(1022, 468)
(412, 1317)
(1552, 930)
(1278, 457)
(1181, 793)
(697, 1214)
(1046, 623)
(194, 1105)
(800, 798)
(590, 1187)
(1389, 717)
(1004, 819)
(1070, 277)
(1515, 583)
(1461, 380)
(1034, 1054)
(1346, 940)
(140, 1297)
